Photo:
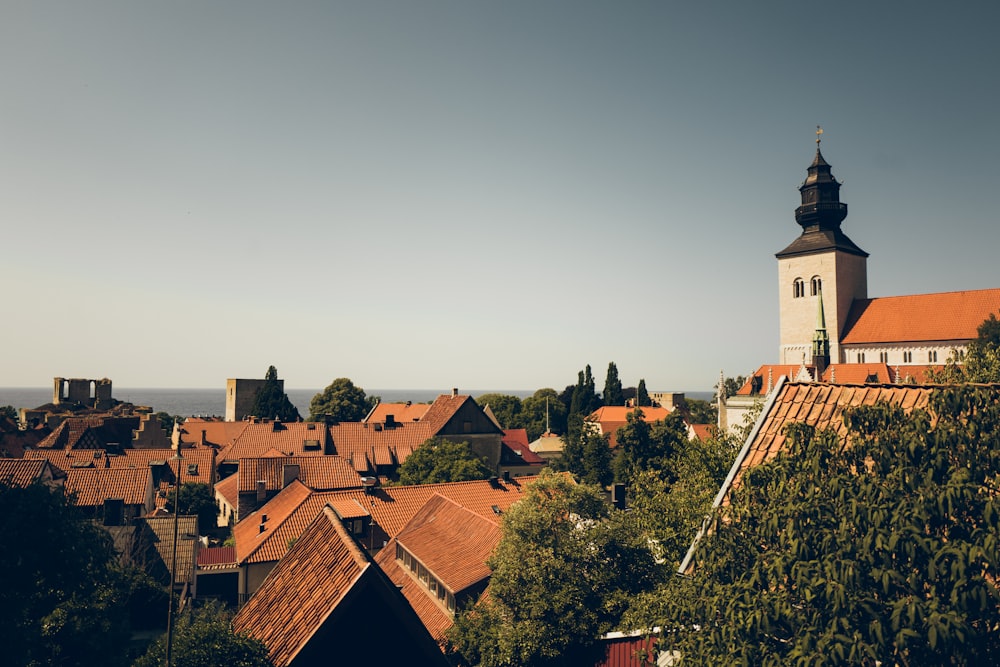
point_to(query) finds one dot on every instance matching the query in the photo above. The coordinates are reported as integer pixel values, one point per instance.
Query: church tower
(821, 262)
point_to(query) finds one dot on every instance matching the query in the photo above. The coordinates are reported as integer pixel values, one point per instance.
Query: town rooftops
(198, 462)
(22, 472)
(290, 438)
(217, 433)
(94, 432)
(400, 412)
(941, 317)
(92, 486)
(320, 473)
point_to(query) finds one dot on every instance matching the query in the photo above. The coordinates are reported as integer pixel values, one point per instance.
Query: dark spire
(821, 211)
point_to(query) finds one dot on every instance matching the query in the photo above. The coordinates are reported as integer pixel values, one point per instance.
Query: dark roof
(821, 240)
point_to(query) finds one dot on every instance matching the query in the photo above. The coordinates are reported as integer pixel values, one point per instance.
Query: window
(932, 356)
(798, 288)
(883, 357)
(399, 551)
(816, 284)
(907, 357)
(451, 602)
(861, 357)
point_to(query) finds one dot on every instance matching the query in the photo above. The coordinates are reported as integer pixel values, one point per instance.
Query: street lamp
(173, 565)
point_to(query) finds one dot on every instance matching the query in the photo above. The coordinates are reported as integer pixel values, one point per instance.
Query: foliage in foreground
(884, 551)
(563, 573)
(203, 637)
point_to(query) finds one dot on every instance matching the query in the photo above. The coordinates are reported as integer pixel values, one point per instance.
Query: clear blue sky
(468, 194)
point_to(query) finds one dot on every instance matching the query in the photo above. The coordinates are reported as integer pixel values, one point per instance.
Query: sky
(489, 195)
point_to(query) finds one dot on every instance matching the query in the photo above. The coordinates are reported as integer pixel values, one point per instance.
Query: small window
(399, 552)
(798, 288)
(450, 602)
(883, 357)
(816, 285)
(861, 357)
(932, 356)
(432, 585)
(907, 357)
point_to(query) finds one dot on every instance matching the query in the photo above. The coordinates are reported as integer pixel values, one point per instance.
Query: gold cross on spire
(819, 131)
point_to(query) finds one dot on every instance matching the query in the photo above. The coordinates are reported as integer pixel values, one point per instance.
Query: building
(240, 396)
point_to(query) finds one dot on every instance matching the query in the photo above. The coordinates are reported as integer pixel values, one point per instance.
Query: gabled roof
(517, 449)
(940, 317)
(289, 438)
(229, 488)
(703, 432)
(451, 541)
(94, 432)
(433, 617)
(366, 444)
(328, 592)
(187, 543)
(92, 486)
(319, 473)
(306, 586)
(218, 433)
(254, 545)
(444, 409)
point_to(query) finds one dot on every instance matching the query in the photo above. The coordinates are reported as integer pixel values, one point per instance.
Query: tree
(583, 401)
(272, 402)
(642, 396)
(648, 446)
(543, 411)
(730, 385)
(589, 458)
(613, 387)
(196, 499)
(563, 573)
(341, 401)
(505, 407)
(9, 412)
(62, 600)
(203, 637)
(442, 460)
(981, 362)
(701, 412)
(880, 549)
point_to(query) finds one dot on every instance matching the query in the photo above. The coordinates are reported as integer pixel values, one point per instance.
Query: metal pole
(173, 564)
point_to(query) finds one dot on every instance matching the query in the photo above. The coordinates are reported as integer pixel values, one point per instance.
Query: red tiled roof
(202, 457)
(401, 412)
(218, 433)
(93, 486)
(215, 556)
(94, 432)
(434, 618)
(289, 438)
(21, 472)
(620, 651)
(319, 473)
(944, 316)
(254, 545)
(306, 586)
(365, 444)
(703, 432)
(516, 442)
(765, 372)
(443, 409)
(229, 488)
(451, 541)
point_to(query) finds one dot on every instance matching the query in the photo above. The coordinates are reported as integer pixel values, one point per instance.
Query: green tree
(731, 385)
(880, 549)
(613, 387)
(701, 412)
(9, 412)
(196, 499)
(583, 401)
(442, 460)
(272, 402)
(563, 573)
(505, 407)
(341, 401)
(642, 396)
(203, 637)
(62, 600)
(648, 446)
(588, 457)
(981, 362)
(543, 411)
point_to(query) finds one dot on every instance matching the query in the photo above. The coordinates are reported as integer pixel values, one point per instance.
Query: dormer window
(798, 288)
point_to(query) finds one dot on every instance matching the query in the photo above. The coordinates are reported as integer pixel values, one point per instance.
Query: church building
(831, 331)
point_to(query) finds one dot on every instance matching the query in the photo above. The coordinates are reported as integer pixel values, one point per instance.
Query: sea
(212, 402)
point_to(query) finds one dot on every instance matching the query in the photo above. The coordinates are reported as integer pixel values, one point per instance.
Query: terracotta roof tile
(434, 618)
(229, 488)
(254, 545)
(213, 556)
(944, 316)
(203, 458)
(291, 438)
(21, 472)
(319, 473)
(92, 486)
(322, 568)
(187, 543)
(401, 412)
(451, 541)
(218, 433)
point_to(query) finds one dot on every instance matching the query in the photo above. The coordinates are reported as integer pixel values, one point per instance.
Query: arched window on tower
(798, 288)
(817, 285)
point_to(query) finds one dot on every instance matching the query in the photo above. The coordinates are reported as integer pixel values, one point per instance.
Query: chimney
(454, 392)
(390, 421)
(506, 476)
(261, 490)
(618, 496)
(289, 472)
(202, 440)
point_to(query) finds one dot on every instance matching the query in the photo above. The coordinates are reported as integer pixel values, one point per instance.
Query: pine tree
(641, 396)
(613, 387)
(272, 402)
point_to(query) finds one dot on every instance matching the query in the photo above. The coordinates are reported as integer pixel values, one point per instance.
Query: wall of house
(921, 353)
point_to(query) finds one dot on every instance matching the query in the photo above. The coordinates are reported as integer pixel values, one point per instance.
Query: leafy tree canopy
(881, 551)
(203, 637)
(563, 572)
(589, 458)
(641, 395)
(341, 401)
(701, 412)
(272, 402)
(982, 359)
(505, 407)
(62, 600)
(9, 412)
(543, 410)
(613, 387)
(196, 499)
(648, 446)
(442, 460)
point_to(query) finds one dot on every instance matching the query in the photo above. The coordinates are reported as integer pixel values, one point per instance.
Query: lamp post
(173, 564)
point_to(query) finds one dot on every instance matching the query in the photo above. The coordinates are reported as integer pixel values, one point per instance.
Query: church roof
(821, 240)
(944, 316)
